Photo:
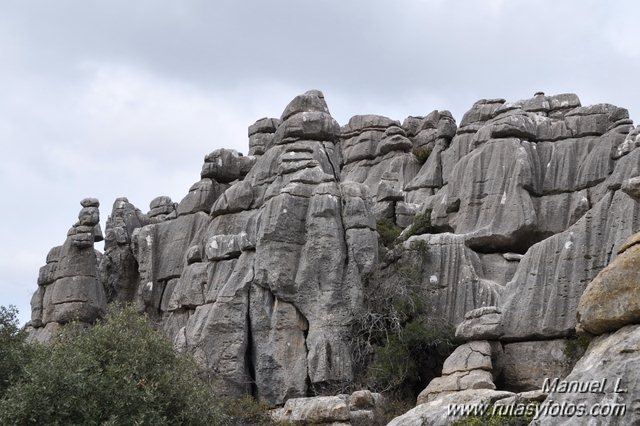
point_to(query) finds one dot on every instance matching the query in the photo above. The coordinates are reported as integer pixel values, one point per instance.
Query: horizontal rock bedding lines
(261, 268)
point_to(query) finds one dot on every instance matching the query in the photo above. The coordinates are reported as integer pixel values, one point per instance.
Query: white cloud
(623, 32)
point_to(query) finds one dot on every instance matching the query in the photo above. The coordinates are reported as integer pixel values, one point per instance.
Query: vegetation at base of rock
(121, 371)
(576, 346)
(399, 365)
(13, 350)
(421, 247)
(422, 154)
(245, 410)
(396, 407)
(388, 231)
(421, 225)
(398, 345)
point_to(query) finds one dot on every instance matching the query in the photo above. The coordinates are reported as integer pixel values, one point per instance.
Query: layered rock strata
(260, 270)
(69, 287)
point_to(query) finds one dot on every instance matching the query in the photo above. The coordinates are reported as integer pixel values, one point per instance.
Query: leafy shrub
(388, 231)
(120, 371)
(399, 346)
(14, 352)
(403, 363)
(422, 154)
(421, 225)
(421, 247)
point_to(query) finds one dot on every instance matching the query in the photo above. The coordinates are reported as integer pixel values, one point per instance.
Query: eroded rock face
(610, 357)
(436, 412)
(612, 299)
(261, 135)
(119, 268)
(69, 287)
(449, 274)
(276, 272)
(261, 268)
(481, 323)
(361, 408)
(470, 366)
(542, 299)
(527, 364)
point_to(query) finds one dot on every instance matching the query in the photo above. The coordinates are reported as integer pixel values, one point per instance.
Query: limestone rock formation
(468, 367)
(612, 362)
(262, 268)
(69, 287)
(261, 135)
(119, 267)
(527, 364)
(612, 299)
(481, 323)
(361, 408)
(436, 412)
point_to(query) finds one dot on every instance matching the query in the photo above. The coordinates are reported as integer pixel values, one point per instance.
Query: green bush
(402, 364)
(120, 371)
(421, 225)
(422, 154)
(388, 231)
(14, 352)
(399, 345)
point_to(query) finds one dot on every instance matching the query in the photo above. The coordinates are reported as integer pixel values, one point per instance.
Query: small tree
(13, 349)
(398, 344)
(120, 371)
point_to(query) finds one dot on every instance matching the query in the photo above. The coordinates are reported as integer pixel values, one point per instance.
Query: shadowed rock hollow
(263, 265)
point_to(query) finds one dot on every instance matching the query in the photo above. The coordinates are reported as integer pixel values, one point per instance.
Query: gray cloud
(124, 98)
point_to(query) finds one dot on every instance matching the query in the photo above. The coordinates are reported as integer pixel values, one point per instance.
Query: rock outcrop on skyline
(69, 286)
(265, 264)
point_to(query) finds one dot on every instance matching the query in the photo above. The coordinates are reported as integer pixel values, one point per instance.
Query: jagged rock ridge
(263, 265)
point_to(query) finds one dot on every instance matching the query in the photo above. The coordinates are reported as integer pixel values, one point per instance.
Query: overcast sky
(124, 98)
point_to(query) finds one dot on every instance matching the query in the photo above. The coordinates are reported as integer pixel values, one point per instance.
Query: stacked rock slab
(161, 245)
(272, 283)
(162, 208)
(431, 135)
(519, 167)
(261, 135)
(375, 151)
(361, 408)
(542, 299)
(118, 267)
(468, 367)
(558, 181)
(69, 288)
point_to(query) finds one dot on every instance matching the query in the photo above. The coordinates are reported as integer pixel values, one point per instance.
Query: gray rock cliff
(263, 266)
